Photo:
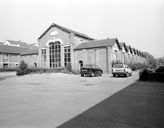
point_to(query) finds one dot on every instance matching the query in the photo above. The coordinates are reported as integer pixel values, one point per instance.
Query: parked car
(145, 74)
(152, 74)
(91, 70)
(121, 69)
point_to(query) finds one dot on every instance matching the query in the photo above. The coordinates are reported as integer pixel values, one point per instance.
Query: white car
(121, 69)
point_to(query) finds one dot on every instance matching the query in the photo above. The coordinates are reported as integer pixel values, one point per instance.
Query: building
(56, 46)
(59, 47)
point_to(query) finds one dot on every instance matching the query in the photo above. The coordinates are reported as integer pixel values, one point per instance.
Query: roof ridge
(67, 30)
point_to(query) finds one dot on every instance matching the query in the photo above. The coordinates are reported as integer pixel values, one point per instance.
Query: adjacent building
(100, 52)
(10, 56)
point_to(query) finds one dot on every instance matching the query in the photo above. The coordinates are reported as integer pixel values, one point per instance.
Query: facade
(56, 46)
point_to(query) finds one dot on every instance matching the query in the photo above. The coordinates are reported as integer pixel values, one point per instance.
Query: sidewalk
(140, 105)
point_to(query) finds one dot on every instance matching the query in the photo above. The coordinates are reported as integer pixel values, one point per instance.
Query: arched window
(55, 54)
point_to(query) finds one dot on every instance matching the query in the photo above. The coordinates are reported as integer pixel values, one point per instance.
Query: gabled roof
(122, 44)
(66, 30)
(140, 54)
(98, 43)
(21, 44)
(30, 52)
(134, 51)
(137, 52)
(129, 48)
(11, 49)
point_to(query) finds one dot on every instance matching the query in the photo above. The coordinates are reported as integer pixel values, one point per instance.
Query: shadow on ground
(5, 77)
(140, 105)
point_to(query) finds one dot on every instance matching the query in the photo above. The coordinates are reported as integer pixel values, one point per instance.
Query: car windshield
(119, 66)
(90, 66)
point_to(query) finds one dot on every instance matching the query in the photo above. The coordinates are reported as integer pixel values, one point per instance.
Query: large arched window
(55, 54)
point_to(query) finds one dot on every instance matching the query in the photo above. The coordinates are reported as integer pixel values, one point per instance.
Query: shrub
(22, 69)
(137, 66)
(44, 70)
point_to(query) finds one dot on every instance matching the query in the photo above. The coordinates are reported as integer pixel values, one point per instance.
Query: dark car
(145, 74)
(150, 74)
(158, 74)
(91, 70)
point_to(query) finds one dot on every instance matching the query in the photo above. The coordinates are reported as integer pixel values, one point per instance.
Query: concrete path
(49, 100)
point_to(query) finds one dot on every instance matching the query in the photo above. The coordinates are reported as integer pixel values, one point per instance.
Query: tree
(23, 69)
(160, 61)
(150, 60)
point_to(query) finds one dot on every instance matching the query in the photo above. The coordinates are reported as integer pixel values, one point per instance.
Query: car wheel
(114, 75)
(82, 75)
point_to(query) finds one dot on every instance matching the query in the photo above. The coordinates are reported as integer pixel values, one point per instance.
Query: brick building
(59, 46)
(10, 56)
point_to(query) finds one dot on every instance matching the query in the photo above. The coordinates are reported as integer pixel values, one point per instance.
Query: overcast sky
(139, 23)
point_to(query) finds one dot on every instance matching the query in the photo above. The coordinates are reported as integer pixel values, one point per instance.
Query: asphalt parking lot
(140, 105)
(50, 100)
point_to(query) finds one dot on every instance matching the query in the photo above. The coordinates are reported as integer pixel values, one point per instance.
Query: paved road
(140, 105)
(49, 100)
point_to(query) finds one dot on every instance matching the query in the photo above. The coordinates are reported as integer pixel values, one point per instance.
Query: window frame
(55, 54)
(67, 55)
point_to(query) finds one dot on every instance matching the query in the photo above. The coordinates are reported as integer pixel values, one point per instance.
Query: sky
(139, 23)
